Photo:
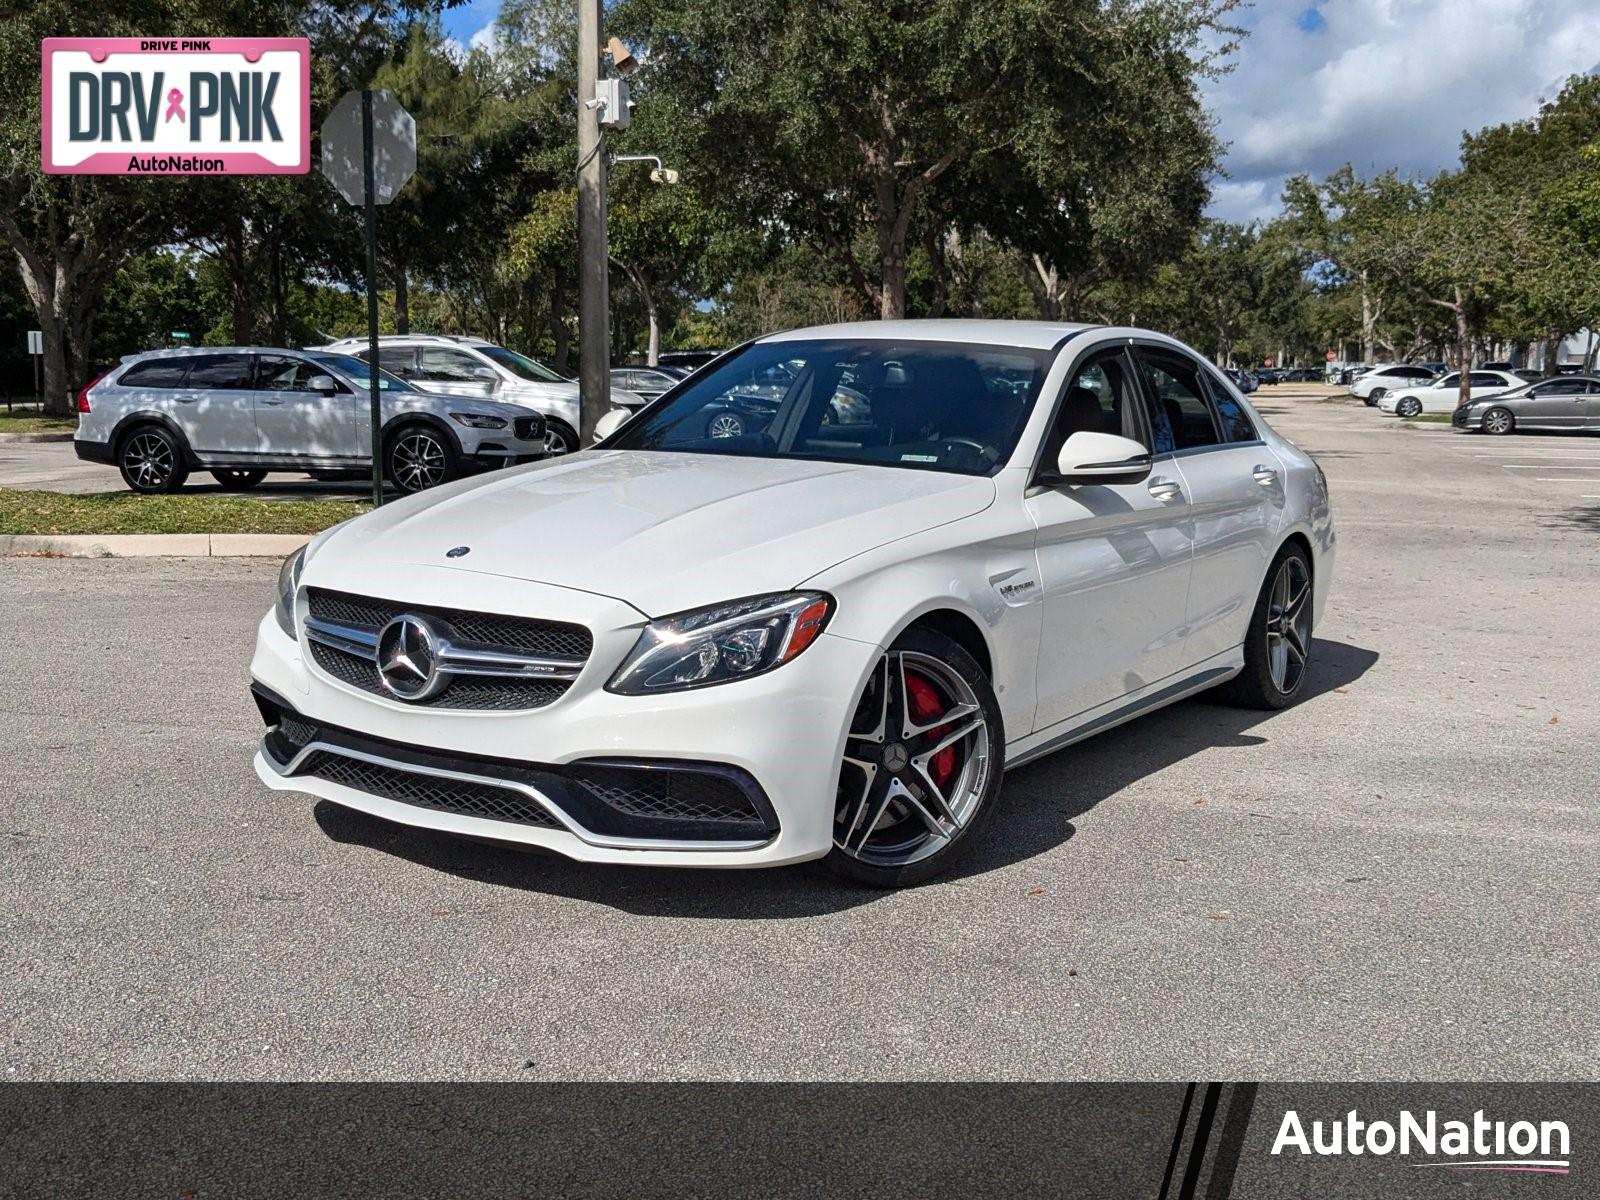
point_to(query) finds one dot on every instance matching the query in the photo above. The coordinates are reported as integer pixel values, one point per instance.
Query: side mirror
(610, 423)
(323, 384)
(1101, 458)
(487, 375)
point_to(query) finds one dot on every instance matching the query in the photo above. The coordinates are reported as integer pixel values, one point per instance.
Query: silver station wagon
(240, 412)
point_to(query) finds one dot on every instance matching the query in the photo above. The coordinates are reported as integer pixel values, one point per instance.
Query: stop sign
(394, 147)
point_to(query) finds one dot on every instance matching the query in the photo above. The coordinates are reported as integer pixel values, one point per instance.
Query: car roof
(1034, 335)
(184, 351)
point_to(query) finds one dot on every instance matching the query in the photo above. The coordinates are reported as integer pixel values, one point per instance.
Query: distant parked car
(240, 412)
(1440, 395)
(1566, 403)
(646, 382)
(468, 366)
(1528, 373)
(1245, 381)
(692, 359)
(1387, 377)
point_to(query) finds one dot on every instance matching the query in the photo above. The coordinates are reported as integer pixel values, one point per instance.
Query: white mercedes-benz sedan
(946, 549)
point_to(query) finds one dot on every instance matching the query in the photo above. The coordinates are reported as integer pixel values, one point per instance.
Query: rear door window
(156, 373)
(219, 372)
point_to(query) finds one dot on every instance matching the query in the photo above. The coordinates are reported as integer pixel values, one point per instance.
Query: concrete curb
(153, 545)
(19, 438)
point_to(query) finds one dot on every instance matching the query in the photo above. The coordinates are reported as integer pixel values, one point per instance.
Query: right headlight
(721, 644)
(288, 581)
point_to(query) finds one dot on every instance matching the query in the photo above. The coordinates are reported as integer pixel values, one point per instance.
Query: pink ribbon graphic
(175, 106)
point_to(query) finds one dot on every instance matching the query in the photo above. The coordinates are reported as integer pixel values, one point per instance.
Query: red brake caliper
(923, 699)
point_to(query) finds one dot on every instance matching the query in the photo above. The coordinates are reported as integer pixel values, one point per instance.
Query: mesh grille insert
(524, 635)
(667, 795)
(428, 791)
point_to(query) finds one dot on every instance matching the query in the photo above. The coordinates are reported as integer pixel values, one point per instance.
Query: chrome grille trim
(455, 657)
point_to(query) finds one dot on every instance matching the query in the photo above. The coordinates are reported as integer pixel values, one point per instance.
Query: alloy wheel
(149, 460)
(916, 763)
(555, 442)
(419, 461)
(1289, 625)
(1497, 420)
(725, 425)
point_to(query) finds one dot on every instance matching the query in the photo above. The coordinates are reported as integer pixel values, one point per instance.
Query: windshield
(353, 369)
(521, 365)
(937, 406)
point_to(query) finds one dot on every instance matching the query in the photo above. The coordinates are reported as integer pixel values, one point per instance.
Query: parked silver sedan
(1566, 402)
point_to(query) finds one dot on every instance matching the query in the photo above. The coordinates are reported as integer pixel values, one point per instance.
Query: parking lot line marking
(1550, 466)
(1561, 479)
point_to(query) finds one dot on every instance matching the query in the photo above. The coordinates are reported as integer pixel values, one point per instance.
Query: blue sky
(1377, 83)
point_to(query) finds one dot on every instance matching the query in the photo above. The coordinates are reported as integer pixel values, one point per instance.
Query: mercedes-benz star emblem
(408, 659)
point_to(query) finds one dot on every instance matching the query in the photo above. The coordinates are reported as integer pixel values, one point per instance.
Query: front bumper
(778, 738)
(1462, 418)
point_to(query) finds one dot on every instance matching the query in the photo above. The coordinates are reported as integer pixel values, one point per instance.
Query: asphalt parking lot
(1394, 879)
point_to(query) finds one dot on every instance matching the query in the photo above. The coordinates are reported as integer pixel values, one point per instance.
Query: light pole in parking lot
(594, 263)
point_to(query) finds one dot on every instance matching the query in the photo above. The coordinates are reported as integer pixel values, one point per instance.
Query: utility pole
(594, 264)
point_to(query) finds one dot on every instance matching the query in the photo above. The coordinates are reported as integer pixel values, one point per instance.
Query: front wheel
(1409, 407)
(923, 760)
(419, 457)
(558, 439)
(725, 425)
(1277, 648)
(1499, 421)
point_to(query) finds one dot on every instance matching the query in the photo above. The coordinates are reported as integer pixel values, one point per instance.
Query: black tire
(1408, 408)
(1256, 685)
(725, 424)
(418, 456)
(987, 768)
(1375, 395)
(1505, 422)
(559, 439)
(152, 460)
(238, 480)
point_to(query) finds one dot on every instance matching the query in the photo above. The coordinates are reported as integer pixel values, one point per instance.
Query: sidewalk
(152, 545)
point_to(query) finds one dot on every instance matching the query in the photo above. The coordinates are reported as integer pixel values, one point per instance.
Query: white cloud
(1381, 83)
(487, 38)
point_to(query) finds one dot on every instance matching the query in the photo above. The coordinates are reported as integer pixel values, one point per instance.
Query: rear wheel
(725, 425)
(238, 480)
(922, 764)
(151, 460)
(1375, 395)
(1499, 421)
(419, 457)
(1277, 648)
(1408, 407)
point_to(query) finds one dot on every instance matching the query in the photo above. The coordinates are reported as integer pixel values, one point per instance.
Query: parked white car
(240, 412)
(1442, 394)
(468, 366)
(1387, 377)
(826, 638)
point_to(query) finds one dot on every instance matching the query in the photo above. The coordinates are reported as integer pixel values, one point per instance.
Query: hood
(663, 532)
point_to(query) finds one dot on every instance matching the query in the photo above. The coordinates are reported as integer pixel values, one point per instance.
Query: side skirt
(1158, 695)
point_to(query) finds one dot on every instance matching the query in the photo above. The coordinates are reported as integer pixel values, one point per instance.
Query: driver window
(448, 366)
(280, 373)
(1098, 400)
(1181, 417)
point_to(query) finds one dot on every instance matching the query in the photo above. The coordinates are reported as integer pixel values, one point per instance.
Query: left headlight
(479, 421)
(288, 581)
(721, 644)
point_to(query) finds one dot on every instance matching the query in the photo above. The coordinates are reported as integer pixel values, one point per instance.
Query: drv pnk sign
(176, 106)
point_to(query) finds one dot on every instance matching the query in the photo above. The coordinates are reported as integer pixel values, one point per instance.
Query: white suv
(1384, 378)
(469, 366)
(240, 412)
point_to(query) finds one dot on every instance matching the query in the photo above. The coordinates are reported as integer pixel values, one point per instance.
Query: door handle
(1165, 489)
(270, 403)
(1265, 476)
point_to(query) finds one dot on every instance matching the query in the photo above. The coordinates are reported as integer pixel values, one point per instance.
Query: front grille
(516, 635)
(461, 796)
(528, 428)
(667, 795)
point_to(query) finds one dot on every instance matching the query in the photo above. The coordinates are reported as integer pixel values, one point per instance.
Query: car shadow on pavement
(1037, 808)
(1584, 517)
